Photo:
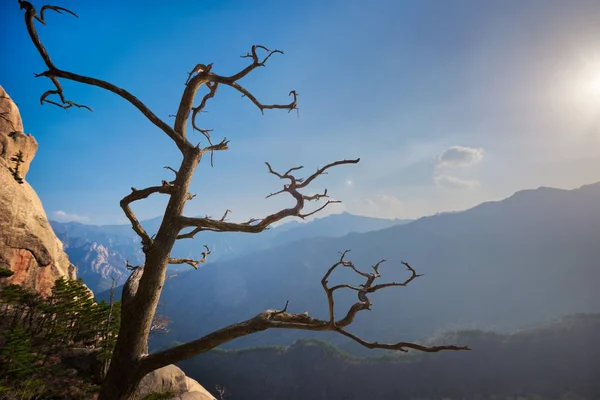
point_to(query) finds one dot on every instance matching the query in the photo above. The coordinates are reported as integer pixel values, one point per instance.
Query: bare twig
(225, 215)
(53, 8)
(171, 169)
(189, 261)
(212, 91)
(131, 267)
(287, 303)
(256, 61)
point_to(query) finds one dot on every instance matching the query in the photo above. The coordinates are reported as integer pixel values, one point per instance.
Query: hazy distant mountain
(557, 361)
(335, 225)
(499, 265)
(100, 252)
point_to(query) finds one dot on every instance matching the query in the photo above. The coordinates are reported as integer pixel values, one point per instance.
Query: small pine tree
(6, 273)
(18, 160)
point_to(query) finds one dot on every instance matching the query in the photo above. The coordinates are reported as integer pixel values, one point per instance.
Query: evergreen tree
(33, 328)
(16, 357)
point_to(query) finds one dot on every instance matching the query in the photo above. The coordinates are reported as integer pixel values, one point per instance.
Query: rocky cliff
(28, 245)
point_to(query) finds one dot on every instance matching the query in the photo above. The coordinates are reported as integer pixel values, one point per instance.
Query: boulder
(204, 395)
(28, 245)
(171, 379)
(195, 391)
(12, 137)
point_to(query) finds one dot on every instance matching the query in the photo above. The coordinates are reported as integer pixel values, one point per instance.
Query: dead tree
(130, 360)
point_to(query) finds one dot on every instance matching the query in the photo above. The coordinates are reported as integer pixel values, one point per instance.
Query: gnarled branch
(189, 261)
(254, 225)
(205, 76)
(53, 73)
(281, 319)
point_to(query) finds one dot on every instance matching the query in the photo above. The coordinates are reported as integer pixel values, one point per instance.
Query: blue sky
(448, 103)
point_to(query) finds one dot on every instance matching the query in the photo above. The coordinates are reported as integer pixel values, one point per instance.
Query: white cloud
(454, 157)
(460, 156)
(62, 216)
(380, 206)
(452, 182)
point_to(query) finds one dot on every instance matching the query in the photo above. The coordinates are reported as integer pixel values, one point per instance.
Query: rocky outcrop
(28, 245)
(171, 379)
(12, 137)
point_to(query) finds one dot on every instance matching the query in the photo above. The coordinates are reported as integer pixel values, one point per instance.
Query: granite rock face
(12, 138)
(171, 379)
(28, 245)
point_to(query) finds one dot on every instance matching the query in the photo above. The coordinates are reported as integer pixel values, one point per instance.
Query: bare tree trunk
(124, 373)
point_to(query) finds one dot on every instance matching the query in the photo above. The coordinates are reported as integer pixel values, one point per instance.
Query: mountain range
(559, 360)
(500, 265)
(100, 252)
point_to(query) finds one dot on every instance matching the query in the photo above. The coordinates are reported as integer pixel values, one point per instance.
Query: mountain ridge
(483, 269)
(523, 364)
(101, 251)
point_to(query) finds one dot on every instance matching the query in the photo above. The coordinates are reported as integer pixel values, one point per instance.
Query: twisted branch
(53, 73)
(259, 225)
(189, 261)
(281, 319)
(204, 76)
(212, 91)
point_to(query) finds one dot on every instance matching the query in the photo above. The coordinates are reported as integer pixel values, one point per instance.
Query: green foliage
(34, 329)
(5, 273)
(16, 356)
(18, 160)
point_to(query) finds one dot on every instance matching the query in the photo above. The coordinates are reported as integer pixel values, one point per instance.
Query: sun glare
(592, 86)
(581, 100)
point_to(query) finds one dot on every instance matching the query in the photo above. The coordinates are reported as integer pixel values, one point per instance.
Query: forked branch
(256, 61)
(281, 319)
(205, 76)
(136, 195)
(259, 225)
